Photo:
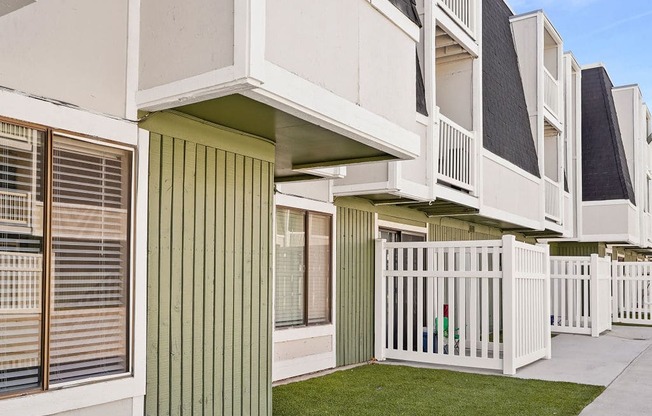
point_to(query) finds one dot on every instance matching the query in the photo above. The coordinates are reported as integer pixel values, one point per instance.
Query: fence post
(380, 301)
(615, 315)
(595, 306)
(608, 301)
(547, 336)
(509, 306)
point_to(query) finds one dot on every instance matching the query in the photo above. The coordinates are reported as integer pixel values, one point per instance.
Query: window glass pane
(290, 267)
(90, 282)
(21, 257)
(319, 269)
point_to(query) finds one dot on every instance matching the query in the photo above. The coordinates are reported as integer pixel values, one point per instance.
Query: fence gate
(480, 304)
(580, 291)
(632, 296)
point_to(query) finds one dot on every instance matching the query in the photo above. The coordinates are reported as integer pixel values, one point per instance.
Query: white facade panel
(357, 53)
(622, 219)
(181, 40)
(516, 194)
(70, 50)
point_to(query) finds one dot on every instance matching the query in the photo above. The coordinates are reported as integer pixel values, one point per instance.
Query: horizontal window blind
(319, 272)
(21, 257)
(290, 267)
(89, 307)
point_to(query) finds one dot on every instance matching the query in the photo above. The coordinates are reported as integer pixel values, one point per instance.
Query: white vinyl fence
(632, 297)
(476, 304)
(580, 291)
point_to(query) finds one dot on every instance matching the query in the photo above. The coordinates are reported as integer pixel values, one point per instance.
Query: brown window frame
(306, 279)
(47, 161)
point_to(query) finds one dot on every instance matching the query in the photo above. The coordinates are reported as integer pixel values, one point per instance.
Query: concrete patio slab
(586, 360)
(630, 394)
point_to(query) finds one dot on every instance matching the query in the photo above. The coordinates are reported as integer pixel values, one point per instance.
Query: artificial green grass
(398, 390)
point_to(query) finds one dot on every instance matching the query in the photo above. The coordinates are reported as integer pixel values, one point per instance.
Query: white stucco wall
(622, 219)
(357, 53)
(416, 170)
(516, 194)
(179, 40)
(70, 50)
(624, 102)
(364, 173)
(455, 91)
(525, 33)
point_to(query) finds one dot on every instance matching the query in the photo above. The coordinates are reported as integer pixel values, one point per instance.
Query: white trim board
(22, 107)
(395, 16)
(402, 227)
(291, 201)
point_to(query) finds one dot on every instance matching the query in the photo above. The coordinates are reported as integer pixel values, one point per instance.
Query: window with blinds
(21, 258)
(90, 206)
(87, 243)
(303, 268)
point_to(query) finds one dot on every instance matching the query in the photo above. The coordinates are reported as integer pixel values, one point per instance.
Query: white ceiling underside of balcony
(448, 49)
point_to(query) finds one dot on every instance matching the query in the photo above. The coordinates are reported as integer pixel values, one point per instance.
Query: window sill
(294, 333)
(73, 397)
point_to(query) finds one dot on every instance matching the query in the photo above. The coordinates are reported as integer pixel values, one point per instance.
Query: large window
(64, 258)
(303, 268)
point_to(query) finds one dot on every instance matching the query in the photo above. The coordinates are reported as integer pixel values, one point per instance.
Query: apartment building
(498, 114)
(616, 167)
(141, 141)
(190, 192)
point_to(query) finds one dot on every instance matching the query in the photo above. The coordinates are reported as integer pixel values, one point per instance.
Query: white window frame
(102, 390)
(307, 364)
(397, 226)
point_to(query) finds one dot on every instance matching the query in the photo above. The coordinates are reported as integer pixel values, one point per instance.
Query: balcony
(553, 206)
(21, 280)
(463, 12)
(15, 208)
(551, 92)
(261, 67)
(456, 155)
(442, 179)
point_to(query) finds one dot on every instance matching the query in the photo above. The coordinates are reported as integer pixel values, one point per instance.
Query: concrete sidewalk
(621, 360)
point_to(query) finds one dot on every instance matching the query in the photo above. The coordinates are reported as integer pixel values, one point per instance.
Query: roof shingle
(605, 174)
(506, 122)
(409, 8)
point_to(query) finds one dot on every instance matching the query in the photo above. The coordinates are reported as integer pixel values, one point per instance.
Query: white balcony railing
(456, 155)
(550, 92)
(21, 282)
(553, 200)
(15, 208)
(463, 12)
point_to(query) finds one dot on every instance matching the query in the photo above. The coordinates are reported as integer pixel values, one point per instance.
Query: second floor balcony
(304, 75)
(464, 12)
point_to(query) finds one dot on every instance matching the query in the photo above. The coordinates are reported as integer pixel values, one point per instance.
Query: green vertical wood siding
(438, 232)
(574, 249)
(209, 293)
(355, 286)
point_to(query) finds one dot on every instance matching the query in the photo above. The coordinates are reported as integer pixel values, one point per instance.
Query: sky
(617, 33)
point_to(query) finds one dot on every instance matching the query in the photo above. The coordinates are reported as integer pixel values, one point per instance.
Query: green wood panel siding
(437, 232)
(355, 286)
(574, 249)
(209, 293)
